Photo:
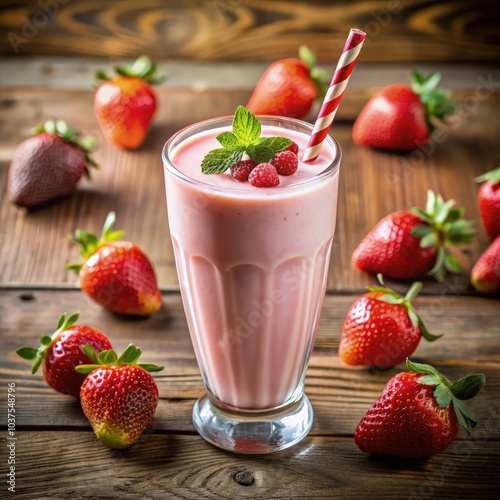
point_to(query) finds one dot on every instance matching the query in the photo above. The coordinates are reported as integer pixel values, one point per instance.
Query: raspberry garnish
(241, 170)
(294, 148)
(285, 162)
(264, 175)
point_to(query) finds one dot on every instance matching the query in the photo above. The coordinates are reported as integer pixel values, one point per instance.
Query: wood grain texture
(59, 457)
(34, 245)
(398, 30)
(74, 465)
(340, 394)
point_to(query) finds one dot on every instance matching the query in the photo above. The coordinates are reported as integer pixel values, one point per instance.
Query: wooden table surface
(57, 455)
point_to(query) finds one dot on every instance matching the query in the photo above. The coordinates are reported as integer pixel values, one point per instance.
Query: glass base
(256, 432)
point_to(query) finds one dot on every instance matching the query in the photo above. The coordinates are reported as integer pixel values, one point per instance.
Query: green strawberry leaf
(142, 68)
(150, 367)
(466, 417)
(469, 386)
(443, 395)
(107, 357)
(130, 355)
(429, 380)
(493, 176)
(27, 352)
(451, 263)
(420, 231)
(90, 352)
(422, 368)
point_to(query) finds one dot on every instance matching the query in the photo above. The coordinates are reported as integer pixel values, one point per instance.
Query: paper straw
(335, 92)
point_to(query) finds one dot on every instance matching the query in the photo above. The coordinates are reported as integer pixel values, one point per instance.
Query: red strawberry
(264, 175)
(485, 275)
(116, 274)
(399, 117)
(124, 105)
(411, 244)
(489, 202)
(49, 164)
(285, 162)
(288, 87)
(418, 413)
(119, 397)
(382, 328)
(62, 352)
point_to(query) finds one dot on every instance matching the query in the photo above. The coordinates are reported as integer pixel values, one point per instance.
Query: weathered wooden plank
(34, 246)
(252, 29)
(75, 465)
(340, 394)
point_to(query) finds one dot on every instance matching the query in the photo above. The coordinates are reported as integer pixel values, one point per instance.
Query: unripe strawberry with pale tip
(119, 396)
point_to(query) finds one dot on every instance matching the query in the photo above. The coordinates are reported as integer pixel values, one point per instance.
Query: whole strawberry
(62, 352)
(49, 164)
(489, 202)
(382, 328)
(485, 275)
(116, 274)
(410, 244)
(125, 104)
(119, 397)
(399, 117)
(288, 87)
(418, 413)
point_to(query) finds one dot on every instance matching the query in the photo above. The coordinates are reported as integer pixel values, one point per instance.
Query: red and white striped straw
(335, 92)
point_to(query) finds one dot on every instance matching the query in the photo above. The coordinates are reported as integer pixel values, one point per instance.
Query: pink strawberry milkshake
(252, 264)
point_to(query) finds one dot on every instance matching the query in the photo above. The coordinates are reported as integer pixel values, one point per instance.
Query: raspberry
(264, 175)
(286, 162)
(294, 148)
(241, 170)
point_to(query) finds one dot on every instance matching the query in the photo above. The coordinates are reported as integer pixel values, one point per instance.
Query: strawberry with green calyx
(489, 202)
(289, 87)
(49, 164)
(116, 274)
(125, 104)
(119, 397)
(409, 244)
(61, 352)
(485, 275)
(244, 139)
(418, 413)
(400, 117)
(382, 328)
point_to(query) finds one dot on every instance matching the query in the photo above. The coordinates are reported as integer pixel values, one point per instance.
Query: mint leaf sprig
(245, 138)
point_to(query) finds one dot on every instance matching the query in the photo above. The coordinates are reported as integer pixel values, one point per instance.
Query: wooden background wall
(259, 30)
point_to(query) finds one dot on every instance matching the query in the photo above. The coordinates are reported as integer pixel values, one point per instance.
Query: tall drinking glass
(252, 266)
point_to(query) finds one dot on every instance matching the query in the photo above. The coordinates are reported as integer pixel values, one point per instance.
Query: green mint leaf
(246, 127)
(219, 160)
(228, 140)
(260, 153)
(277, 144)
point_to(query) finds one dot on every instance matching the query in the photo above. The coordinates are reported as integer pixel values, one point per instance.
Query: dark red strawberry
(485, 275)
(119, 397)
(288, 87)
(382, 328)
(285, 162)
(49, 164)
(410, 244)
(400, 117)
(60, 353)
(489, 202)
(125, 105)
(264, 175)
(116, 274)
(418, 413)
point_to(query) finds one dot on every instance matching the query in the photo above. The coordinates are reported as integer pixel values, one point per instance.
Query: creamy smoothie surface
(187, 158)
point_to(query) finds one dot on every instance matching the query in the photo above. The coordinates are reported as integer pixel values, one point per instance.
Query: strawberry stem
(130, 356)
(142, 68)
(442, 227)
(447, 393)
(45, 341)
